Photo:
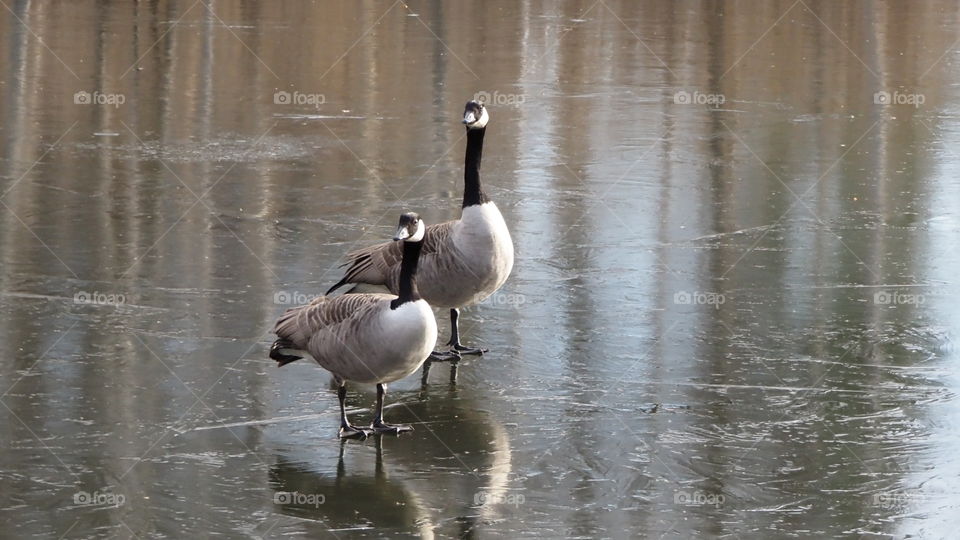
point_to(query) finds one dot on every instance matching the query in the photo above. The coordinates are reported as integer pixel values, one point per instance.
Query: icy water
(733, 311)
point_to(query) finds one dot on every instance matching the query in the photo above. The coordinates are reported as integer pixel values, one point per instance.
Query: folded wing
(380, 264)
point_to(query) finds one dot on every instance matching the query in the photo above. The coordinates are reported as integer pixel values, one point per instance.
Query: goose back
(358, 337)
(462, 262)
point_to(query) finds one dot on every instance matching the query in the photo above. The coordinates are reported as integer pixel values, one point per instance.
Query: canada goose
(463, 262)
(366, 338)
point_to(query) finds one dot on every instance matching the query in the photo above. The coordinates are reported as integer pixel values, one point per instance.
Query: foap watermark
(483, 498)
(282, 97)
(98, 298)
(296, 498)
(698, 98)
(98, 98)
(99, 498)
(896, 499)
(699, 298)
(699, 498)
(293, 298)
(497, 98)
(504, 299)
(898, 98)
(896, 298)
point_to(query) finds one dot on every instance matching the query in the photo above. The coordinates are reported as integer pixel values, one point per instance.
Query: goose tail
(289, 336)
(279, 352)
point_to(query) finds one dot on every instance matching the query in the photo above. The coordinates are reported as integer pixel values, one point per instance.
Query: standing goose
(463, 261)
(365, 338)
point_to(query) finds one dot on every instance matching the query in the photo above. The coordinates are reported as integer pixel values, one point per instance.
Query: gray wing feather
(325, 315)
(380, 264)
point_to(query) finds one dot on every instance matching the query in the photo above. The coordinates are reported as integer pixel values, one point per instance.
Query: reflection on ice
(448, 477)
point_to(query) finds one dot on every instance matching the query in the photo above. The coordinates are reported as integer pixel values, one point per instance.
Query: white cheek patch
(418, 236)
(482, 121)
(473, 121)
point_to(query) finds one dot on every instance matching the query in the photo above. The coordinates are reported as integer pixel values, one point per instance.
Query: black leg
(455, 336)
(346, 429)
(454, 328)
(378, 415)
(426, 372)
(452, 355)
(379, 426)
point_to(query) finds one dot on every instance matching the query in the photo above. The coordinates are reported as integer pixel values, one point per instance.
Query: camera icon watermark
(83, 97)
(282, 97)
(696, 97)
(295, 498)
(895, 298)
(898, 98)
(699, 498)
(503, 299)
(699, 298)
(896, 499)
(498, 98)
(293, 298)
(97, 298)
(483, 498)
(97, 498)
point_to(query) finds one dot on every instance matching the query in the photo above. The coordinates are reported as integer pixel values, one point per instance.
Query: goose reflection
(349, 500)
(444, 479)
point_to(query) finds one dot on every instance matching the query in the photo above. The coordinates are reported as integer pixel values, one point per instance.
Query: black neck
(472, 192)
(408, 273)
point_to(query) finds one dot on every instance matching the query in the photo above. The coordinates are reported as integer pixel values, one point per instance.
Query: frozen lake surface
(733, 311)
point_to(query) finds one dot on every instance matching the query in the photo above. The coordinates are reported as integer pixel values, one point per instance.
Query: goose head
(411, 228)
(475, 115)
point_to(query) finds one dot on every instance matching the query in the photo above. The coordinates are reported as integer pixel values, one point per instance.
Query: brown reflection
(449, 477)
(350, 500)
